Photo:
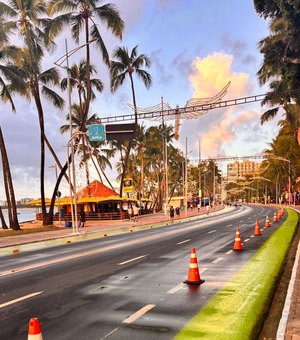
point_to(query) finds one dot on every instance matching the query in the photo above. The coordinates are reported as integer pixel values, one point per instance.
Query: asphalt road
(127, 286)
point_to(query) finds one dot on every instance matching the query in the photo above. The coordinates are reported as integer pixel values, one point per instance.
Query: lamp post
(59, 63)
(279, 158)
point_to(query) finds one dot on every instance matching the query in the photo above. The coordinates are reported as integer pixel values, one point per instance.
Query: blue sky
(196, 47)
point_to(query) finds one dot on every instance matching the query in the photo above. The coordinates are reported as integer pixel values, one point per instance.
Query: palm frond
(56, 99)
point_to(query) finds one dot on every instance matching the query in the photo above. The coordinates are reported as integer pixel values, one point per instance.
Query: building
(238, 170)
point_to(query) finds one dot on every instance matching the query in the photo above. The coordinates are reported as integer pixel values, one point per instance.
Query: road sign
(120, 132)
(96, 133)
(128, 185)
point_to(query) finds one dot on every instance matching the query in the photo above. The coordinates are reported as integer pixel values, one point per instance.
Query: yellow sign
(128, 185)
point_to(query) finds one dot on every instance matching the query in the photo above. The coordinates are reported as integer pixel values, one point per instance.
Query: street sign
(120, 132)
(96, 133)
(128, 185)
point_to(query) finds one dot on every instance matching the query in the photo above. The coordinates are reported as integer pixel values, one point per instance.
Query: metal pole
(72, 198)
(289, 182)
(200, 179)
(164, 156)
(186, 182)
(167, 179)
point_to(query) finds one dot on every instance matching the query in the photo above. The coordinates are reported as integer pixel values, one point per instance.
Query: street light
(59, 62)
(279, 158)
(260, 178)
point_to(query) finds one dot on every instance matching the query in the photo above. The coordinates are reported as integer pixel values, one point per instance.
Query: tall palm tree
(124, 66)
(81, 15)
(24, 18)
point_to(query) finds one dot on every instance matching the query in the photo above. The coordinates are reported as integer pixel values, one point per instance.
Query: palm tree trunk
(3, 223)
(10, 195)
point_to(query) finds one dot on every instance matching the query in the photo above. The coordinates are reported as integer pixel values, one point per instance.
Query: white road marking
(175, 289)
(217, 260)
(212, 231)
(138, 314)
(252, 236)
(19, 299)
(131, 260)
(107, 335)
(229, 225)
(229, 252)
(184, 241)
(202, 270)
(247, 239)
(241, 220)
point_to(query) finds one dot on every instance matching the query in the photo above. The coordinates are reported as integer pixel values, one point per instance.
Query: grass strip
(235, 312)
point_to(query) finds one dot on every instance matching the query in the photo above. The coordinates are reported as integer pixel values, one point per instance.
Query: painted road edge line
(175, 289)
(287, 304)
(20, 299)
(188, 240)
(131, 260)
(138, 314)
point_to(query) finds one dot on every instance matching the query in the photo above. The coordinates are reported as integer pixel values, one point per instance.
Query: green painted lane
(235, 313)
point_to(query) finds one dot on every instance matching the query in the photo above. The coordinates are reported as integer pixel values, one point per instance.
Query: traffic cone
(194, 276)
(275, 218)
(257, 229)
(279, 215)
(268, 223)
(34, 330)
(237, 241)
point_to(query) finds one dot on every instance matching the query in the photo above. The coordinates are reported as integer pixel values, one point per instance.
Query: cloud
(221, 129)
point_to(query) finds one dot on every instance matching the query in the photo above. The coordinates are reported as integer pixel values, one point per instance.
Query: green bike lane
(236, 312)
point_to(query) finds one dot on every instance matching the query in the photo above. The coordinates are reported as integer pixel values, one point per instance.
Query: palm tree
(124, 66)
(81, 16)
(24, 19)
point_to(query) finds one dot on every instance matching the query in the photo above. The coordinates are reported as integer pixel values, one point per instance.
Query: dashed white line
(212, 231)
(175, 289)
(247, 239)
(184, 241)
(138, 314)
(131, 260)
(110, 333)
(229, 225)
(19, 299)
(217, 260)
(202, 270)
(229, 252)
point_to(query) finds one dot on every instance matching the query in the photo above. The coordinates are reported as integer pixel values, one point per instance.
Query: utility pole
(186, 181)
(200, 179)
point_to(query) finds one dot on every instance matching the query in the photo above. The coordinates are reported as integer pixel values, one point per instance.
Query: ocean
(24, 214)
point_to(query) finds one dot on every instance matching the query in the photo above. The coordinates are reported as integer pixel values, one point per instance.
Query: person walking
(177, 211)
(130, 212)
(135, 213)
(82, 219)
(172, 211)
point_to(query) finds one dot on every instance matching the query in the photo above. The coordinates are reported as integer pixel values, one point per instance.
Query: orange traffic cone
(34, 330)
(237, 241)
(268, 223)
(275, 218)
(194, 276)
(257, 229)
(279, 215)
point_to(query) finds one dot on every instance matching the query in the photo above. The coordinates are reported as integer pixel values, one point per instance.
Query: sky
(196, 48)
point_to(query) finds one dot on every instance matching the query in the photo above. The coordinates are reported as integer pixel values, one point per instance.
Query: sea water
(24, 214)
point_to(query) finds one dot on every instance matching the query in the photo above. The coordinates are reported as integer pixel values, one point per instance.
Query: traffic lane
(123, 279)
(220, 241)
(32, 257)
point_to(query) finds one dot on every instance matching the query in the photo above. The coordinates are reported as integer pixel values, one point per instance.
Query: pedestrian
(172, 211)
(198, 206)
(135, 213)
(130, 212)
(82, 219)
(177, 211)
(207, 209)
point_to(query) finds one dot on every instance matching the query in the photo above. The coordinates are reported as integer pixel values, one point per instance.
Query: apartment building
(238, 170)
